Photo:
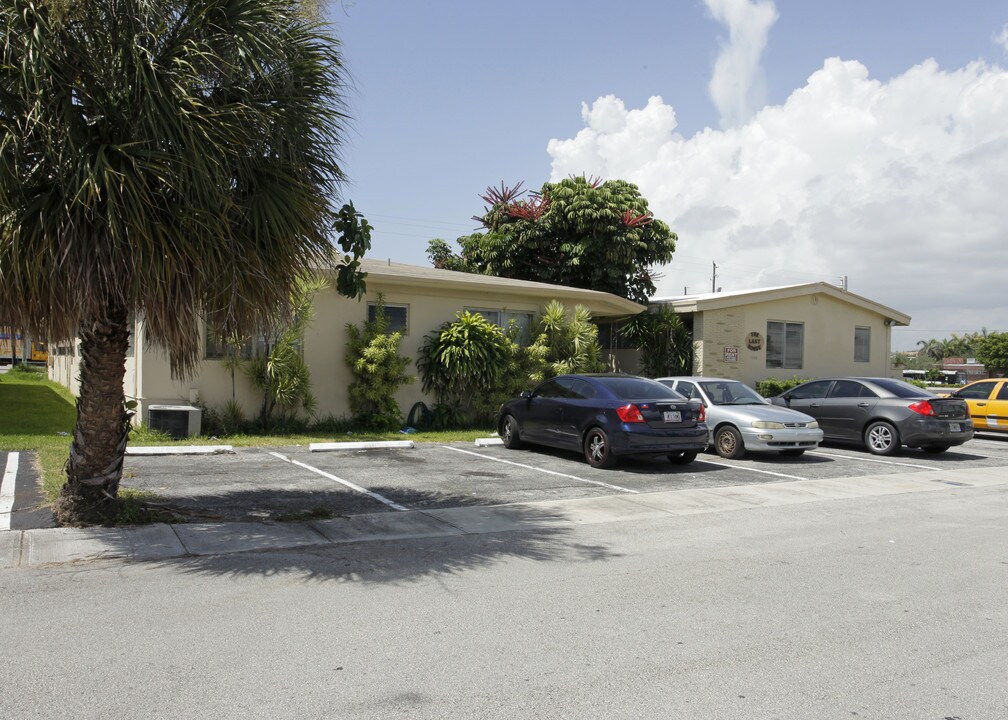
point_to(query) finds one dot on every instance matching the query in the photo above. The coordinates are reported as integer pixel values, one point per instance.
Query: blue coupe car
(606, 417)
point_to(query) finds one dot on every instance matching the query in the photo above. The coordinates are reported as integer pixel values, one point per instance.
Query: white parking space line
(542, 470)
(341, 481)
(752, 469)
(7, 490)
(874, 460)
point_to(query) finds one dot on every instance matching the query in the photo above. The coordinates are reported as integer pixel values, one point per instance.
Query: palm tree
(931, 349)
(174, 158)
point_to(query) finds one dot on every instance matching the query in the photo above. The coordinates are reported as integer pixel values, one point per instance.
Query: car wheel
(728, 442)
(596, 449)
(794, 452)
(683, 457)
(509, 433)
(881, 438)
(935, 449)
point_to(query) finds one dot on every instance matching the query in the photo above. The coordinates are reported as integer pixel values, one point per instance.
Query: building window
(611, 336)
(521, 321)
(785, 344)
(398, 317)
(862, 344)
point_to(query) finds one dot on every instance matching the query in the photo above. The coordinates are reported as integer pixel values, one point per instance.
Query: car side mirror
(527, 394)
(787, 397)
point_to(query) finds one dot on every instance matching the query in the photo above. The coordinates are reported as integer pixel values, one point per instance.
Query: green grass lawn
(34, 410)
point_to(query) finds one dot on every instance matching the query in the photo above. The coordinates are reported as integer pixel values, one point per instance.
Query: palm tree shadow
(425, 542)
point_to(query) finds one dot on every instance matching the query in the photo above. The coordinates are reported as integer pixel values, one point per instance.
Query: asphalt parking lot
(290, 483)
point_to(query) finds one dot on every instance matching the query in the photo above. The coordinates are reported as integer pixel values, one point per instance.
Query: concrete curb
(39, 548)
(487, 442)
(179, 449)
(371, 445)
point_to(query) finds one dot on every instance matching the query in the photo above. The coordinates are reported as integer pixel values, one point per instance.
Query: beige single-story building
(808, 330)
(418, 300)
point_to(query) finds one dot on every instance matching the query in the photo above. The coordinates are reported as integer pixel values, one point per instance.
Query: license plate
(673, 416)
(954, 427)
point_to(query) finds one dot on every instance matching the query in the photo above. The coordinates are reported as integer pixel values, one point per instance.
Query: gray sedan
(881, 413)
(740, 419)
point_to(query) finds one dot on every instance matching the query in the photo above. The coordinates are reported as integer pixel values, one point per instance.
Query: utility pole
(713, 280)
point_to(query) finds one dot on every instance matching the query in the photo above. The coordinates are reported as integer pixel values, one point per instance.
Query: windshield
(722, 392)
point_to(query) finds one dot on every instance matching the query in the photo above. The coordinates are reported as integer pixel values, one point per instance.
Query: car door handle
(981, 404)
(812, 405)
(864, 404)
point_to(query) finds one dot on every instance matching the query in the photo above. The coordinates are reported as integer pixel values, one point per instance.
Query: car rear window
(902, 389)
(635, 388)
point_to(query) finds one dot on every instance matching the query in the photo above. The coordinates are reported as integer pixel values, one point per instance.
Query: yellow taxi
(988, 403)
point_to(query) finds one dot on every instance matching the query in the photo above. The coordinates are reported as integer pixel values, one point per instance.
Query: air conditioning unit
(179, 421)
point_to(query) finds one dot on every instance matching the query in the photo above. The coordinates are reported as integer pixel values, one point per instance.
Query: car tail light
(923, 407)
(630, 414)
(702, 415)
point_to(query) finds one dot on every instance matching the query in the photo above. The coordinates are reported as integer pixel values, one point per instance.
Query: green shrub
(372, 355)
(566, 343)
(465, 365)
(775, 386)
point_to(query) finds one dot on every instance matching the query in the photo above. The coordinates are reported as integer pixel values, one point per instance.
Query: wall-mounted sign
(731, 354)
(754, 341)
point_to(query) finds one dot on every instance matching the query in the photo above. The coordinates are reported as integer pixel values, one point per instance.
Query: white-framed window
(398, 316)
(862, 344)
(504, 318)
(785, 346)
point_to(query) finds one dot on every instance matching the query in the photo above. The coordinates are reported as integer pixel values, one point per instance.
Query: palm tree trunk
(99, 440)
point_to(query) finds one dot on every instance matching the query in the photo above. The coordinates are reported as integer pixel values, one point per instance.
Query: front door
(980, 398)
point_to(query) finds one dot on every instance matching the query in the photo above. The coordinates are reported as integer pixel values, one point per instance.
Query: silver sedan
(740, 419)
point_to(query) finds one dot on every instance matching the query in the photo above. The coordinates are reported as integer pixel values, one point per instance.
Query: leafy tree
(992, 351)
(566, 343)
(664, 342)
(372, 355)
(174, 158)
(577, 232)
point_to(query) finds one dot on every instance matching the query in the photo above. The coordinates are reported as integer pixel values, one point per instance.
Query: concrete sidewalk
(40, 548)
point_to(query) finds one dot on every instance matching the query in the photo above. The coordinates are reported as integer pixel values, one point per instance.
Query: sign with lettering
(754, 341)
(731, 354)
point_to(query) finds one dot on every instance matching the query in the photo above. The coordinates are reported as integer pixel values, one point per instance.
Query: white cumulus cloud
(898, 185)
(737, 86)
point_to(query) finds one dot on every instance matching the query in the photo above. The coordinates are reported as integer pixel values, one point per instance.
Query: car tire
(728, 443)
(597, 450)
(683, 457)
(881, 438)
(935, 449)
(510, 434)
(793, 452)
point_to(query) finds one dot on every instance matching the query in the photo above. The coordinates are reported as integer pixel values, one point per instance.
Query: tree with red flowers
(579, 232)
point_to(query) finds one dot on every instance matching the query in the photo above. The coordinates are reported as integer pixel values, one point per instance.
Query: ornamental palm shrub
(379, 370)
(464, 364)
(281, 373)
(567, 343)
(664, 343)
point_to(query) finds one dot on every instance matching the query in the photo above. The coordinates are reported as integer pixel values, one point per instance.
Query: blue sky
(451, 97)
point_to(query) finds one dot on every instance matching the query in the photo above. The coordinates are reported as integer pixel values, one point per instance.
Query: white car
(740, 419)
